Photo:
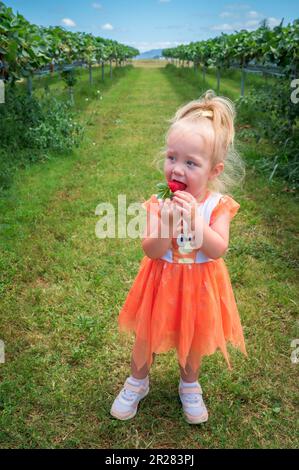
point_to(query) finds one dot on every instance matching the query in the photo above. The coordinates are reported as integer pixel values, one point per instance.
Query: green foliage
(278, 46)
(31, 129)
(69, 77)
(44, 124)
(272, 115)
(57, 128)
(23, 46)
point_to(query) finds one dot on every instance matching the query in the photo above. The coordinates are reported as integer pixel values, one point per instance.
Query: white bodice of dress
(181, 250)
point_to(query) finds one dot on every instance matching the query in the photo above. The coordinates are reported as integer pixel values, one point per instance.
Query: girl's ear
(216, 170)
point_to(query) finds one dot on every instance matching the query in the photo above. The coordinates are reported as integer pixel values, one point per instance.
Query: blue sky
(155, 24)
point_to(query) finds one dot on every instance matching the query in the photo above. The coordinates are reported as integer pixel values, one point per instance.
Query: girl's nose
(178, 170)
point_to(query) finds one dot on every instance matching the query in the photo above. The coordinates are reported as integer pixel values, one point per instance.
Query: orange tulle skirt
(189, 307)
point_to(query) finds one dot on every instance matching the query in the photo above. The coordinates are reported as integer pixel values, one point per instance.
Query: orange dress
(183, 300)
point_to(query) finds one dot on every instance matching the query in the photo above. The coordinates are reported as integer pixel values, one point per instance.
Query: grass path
(62, 288)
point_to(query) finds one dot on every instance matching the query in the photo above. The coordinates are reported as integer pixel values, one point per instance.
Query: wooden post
(2, 91)
(218, 80)
(90, 74)
(243, 75)
(29, 85)
(71, 91)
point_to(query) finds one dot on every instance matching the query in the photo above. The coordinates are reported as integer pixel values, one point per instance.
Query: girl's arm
(216, 236)
(155, 247)
(153, 244)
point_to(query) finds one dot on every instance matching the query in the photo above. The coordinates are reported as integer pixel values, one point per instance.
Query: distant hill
(153, 54)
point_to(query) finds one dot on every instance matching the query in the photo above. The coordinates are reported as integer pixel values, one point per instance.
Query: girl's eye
(170, 157)
(190, 161)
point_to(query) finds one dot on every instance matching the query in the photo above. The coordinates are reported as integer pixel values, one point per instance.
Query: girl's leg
(190, 375)
(142, 373)
(190, 394)
(125, 407)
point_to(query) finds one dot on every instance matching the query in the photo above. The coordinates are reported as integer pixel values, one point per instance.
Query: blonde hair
(221, 111)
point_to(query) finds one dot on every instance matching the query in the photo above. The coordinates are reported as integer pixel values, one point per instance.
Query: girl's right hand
(166, 210)
(170, 213)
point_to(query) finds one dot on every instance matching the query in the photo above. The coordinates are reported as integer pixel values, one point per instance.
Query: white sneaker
(195, 410)
(126, 403)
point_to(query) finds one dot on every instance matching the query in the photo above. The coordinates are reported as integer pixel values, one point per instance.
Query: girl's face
(188, 157)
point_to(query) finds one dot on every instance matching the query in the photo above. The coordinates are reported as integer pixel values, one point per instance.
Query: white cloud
(252, 23)
(97, 6)
(107, 26)
(228, 14)
(68, 22)
(249, 24)
(253, 14)
(223, 27)
(272, 22)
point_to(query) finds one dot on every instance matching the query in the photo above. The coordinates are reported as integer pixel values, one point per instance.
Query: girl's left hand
(188, 202)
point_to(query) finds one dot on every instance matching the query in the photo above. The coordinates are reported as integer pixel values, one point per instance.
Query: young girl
(182, 296)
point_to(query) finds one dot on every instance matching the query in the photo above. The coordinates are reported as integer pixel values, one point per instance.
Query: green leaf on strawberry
(164, 191)
(167, 190)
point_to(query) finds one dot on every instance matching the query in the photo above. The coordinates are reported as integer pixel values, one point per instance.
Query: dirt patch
(40, 282)
(150, 63)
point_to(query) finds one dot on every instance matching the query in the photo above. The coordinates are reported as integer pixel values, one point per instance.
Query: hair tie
(206, 113)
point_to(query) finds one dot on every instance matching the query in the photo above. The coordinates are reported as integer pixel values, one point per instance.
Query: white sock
(135, 381)
(188, 384)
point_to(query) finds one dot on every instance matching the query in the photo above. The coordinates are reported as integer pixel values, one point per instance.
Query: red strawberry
(176, 186)
(167, 190)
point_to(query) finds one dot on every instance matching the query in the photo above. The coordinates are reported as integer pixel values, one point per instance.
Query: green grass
(62, 289)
